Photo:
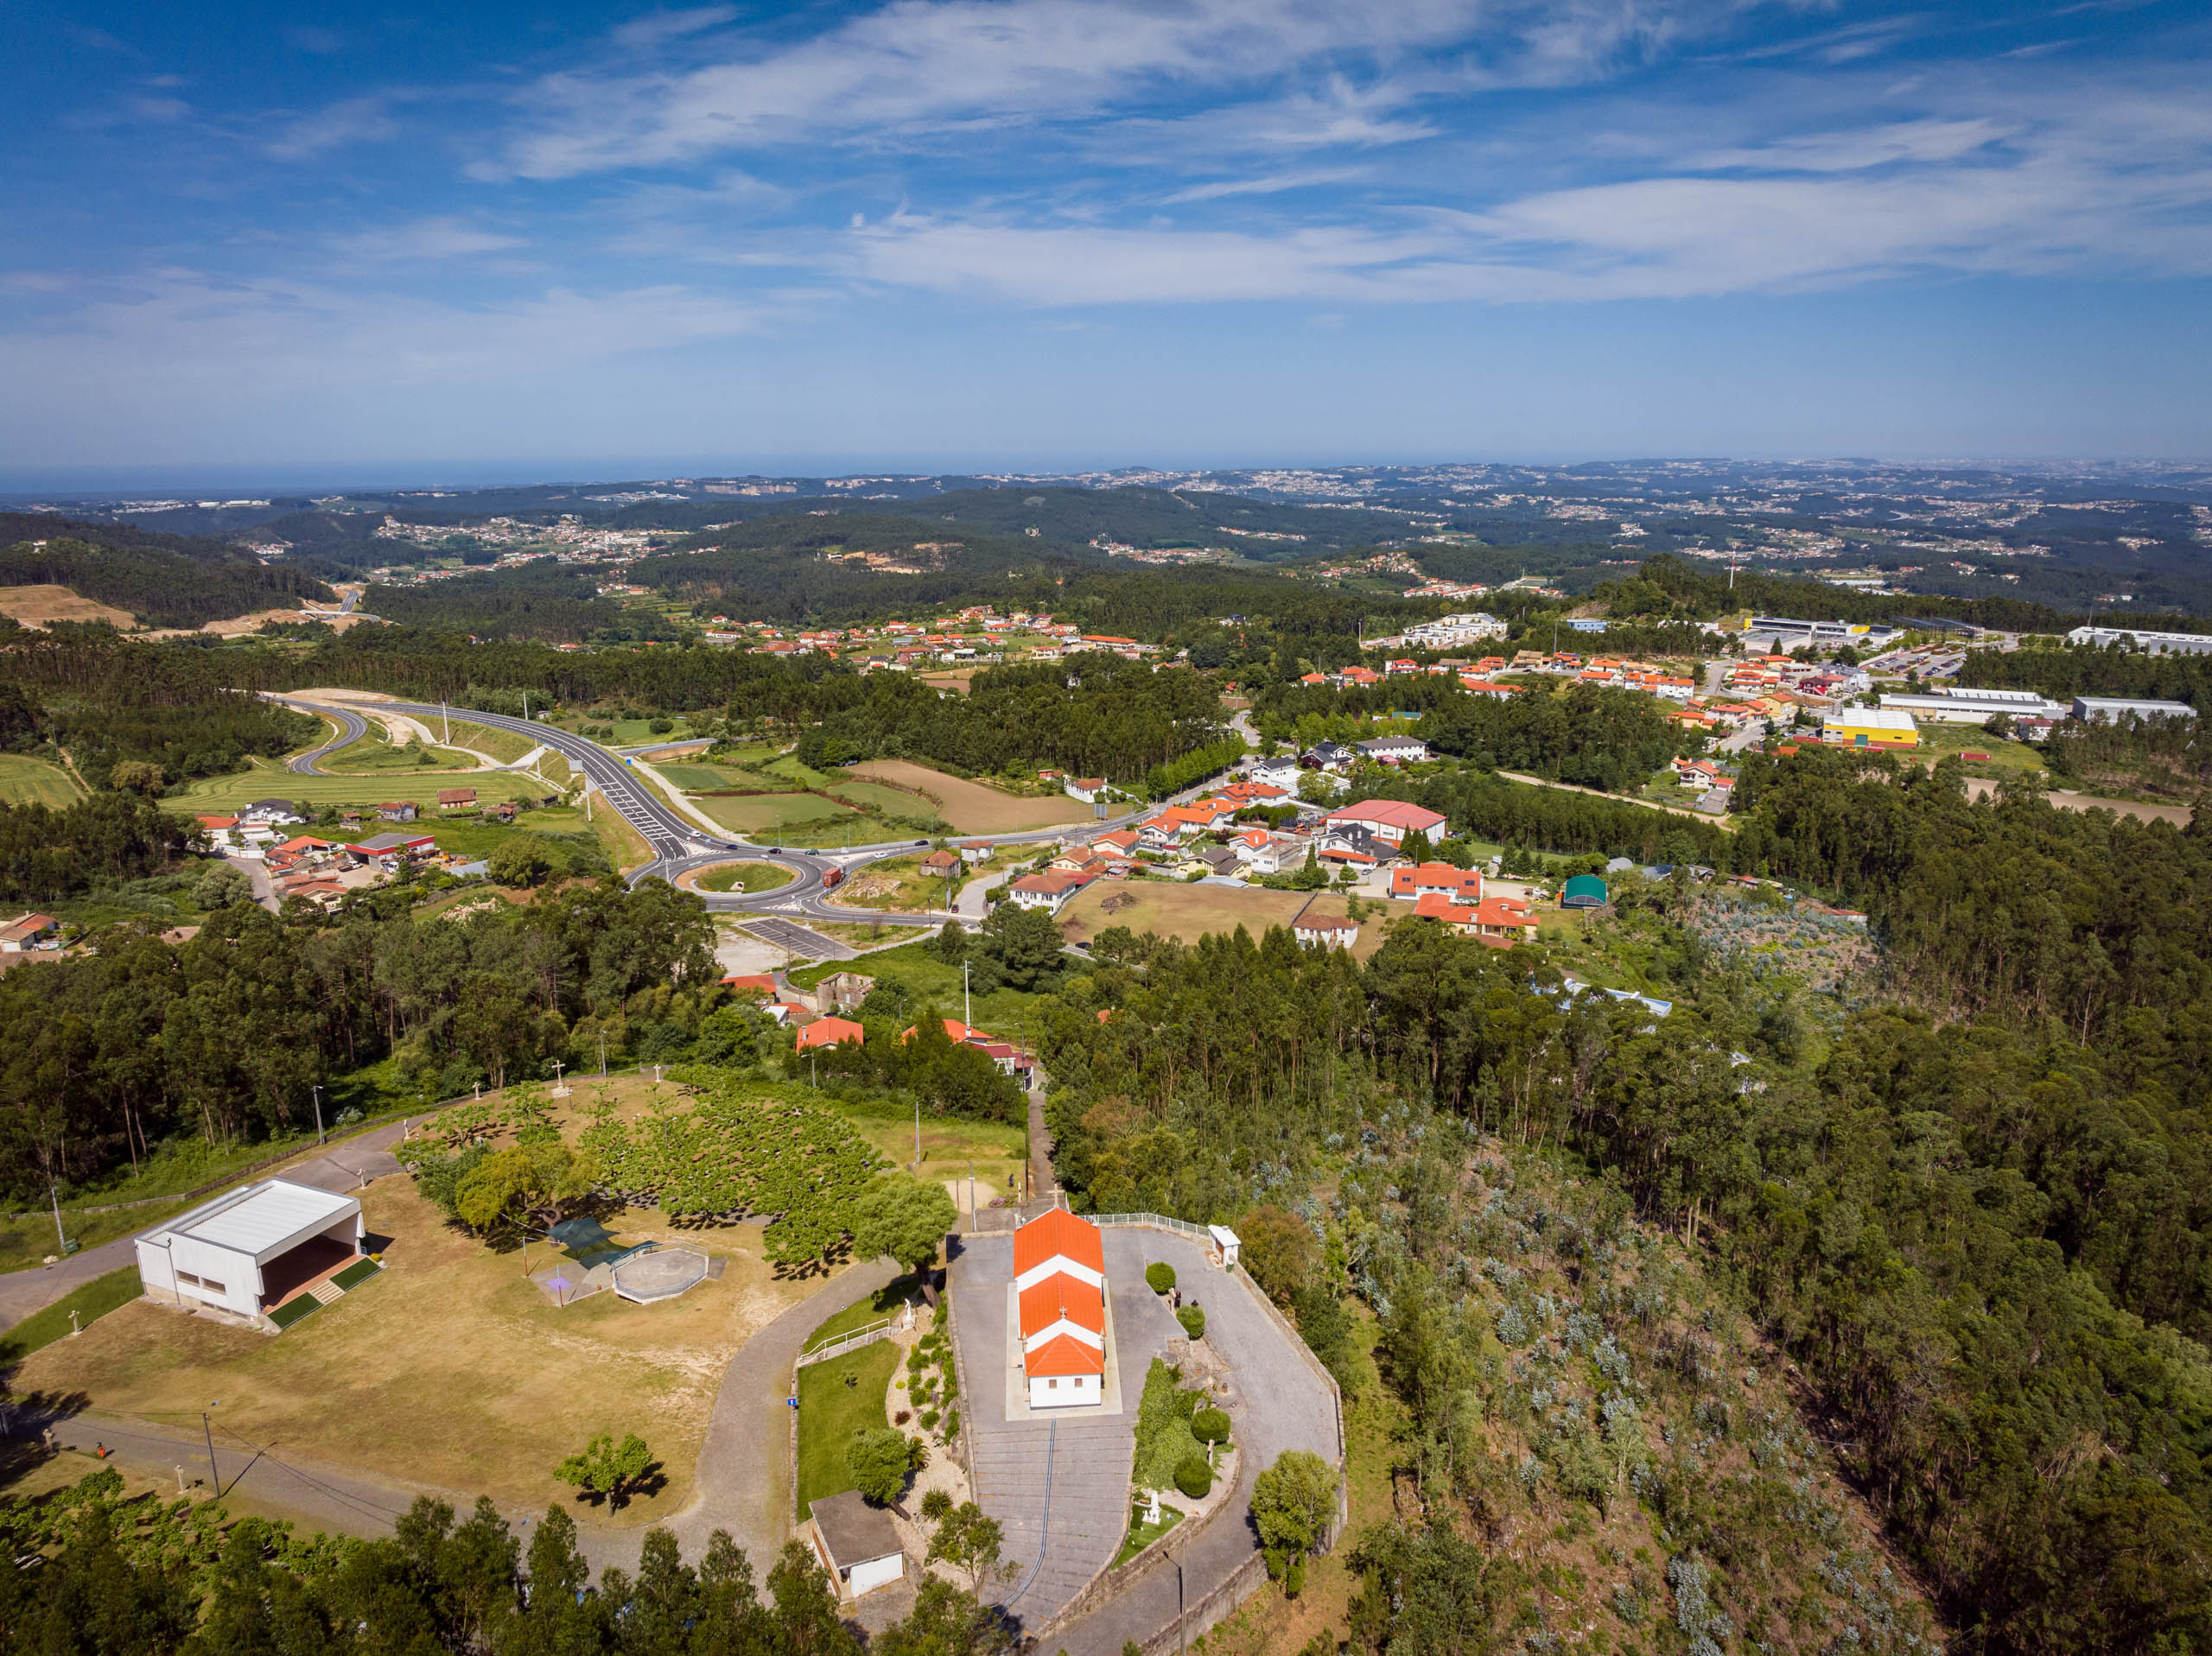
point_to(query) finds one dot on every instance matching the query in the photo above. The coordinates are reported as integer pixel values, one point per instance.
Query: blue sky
(499, 241)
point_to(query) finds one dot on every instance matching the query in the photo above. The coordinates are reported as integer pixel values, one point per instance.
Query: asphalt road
(350, 728)
(679, 844)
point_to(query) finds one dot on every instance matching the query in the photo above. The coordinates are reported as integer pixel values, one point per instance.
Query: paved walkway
(1277, 1403)
(744, 1466)
(1085, 1463)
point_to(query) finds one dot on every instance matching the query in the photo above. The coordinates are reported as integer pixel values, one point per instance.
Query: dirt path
(1721, 822)
(2142, 811)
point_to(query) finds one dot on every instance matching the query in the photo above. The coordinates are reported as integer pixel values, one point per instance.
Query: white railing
(1157, 1221)
(868, 1334)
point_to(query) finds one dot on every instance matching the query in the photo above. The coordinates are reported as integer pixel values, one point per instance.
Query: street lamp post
(318, 1136)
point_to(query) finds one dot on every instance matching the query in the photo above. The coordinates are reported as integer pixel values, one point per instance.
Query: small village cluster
(324, 871)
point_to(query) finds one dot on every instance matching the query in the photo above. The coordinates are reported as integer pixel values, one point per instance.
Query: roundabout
(742, 877)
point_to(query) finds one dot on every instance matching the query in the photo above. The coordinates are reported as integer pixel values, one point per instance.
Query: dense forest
(165, 580)
(132, 1576)
(111, 703)
(1931, 1220)
(109, 1053)
(1667, 585)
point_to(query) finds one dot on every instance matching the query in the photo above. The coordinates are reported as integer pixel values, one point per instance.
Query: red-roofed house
(831, 1031)
(1048, 891)
(1059, 1274)
(752, 983)
(1458, 885)
(1388, 820)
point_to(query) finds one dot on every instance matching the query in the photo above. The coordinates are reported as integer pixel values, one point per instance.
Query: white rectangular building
(2108, 710)
(247, 1250)
(2157, 643)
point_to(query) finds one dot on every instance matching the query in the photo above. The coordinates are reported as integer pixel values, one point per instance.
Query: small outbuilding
(857, 1544)
(251, 1249)
(1583, 892)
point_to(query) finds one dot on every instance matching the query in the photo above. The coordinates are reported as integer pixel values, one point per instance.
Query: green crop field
(34, 782)
(877, 797)
(269, 781)
(760, 812)
(706, 779)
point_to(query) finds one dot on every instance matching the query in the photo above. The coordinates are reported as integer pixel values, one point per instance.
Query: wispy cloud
(353, 120)
(1274, 184)
(659, 28)
(443, 238)
(932, 64)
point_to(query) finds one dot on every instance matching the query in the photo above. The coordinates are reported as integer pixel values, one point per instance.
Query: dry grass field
(39, 606)
(451, 1369)
(971, 807)
(1173, 910)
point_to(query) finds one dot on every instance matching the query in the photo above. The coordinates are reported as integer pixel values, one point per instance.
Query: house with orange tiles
(1059, 1281)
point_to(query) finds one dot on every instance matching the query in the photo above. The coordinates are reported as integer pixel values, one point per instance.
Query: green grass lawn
(34, 782)
(2007, 759)
(837, 1398)
(94, 1300)
(790, 770)
(271, 781)
(505, 745)
(371, 753)
(884, 1302)
(746, 877)
(706, 779)
(26, 1241)
(1143, 1535)
(927, 978)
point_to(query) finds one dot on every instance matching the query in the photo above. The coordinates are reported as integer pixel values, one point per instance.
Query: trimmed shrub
(1210, 1426)
(1193, 1321)
(1193, 1477)
(1159, 1277)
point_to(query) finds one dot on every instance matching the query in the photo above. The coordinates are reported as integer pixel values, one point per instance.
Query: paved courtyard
(1085, 1461)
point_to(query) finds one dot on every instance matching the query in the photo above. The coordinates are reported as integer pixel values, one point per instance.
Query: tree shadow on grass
(647, 1484)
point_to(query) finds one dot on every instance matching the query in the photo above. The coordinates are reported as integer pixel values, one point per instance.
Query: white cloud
(443, 238)
(354, 120)
(932, 64)
(175, 328)
(1272, 184)
(659, 28)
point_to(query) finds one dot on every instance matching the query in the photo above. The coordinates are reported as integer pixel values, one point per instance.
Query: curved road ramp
(1060, 1485)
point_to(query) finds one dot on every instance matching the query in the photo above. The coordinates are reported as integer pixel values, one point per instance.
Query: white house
(1281, 771)
(1060, 1278)
(1395, 750)
(251, 1249)
(1087, 789)
(1049, 892)
(857, 1544)
(1324, 930)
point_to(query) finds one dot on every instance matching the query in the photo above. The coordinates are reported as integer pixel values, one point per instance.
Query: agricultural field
(269, 780)
(766, 813)
(880, 797)
(974, 807)
(39, 606)
(34, 782)
(1168, 909)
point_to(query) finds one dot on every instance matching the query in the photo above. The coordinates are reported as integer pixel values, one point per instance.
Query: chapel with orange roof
(1059, 1277)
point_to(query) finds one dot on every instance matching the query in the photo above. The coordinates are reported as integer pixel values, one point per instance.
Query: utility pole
(967, 1004)
(918, 1135)
(213, 1476)
(445, 722)
(319, 1138)
(61, 1239)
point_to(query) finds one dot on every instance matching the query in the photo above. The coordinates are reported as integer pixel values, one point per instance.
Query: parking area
(1081, 1466)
